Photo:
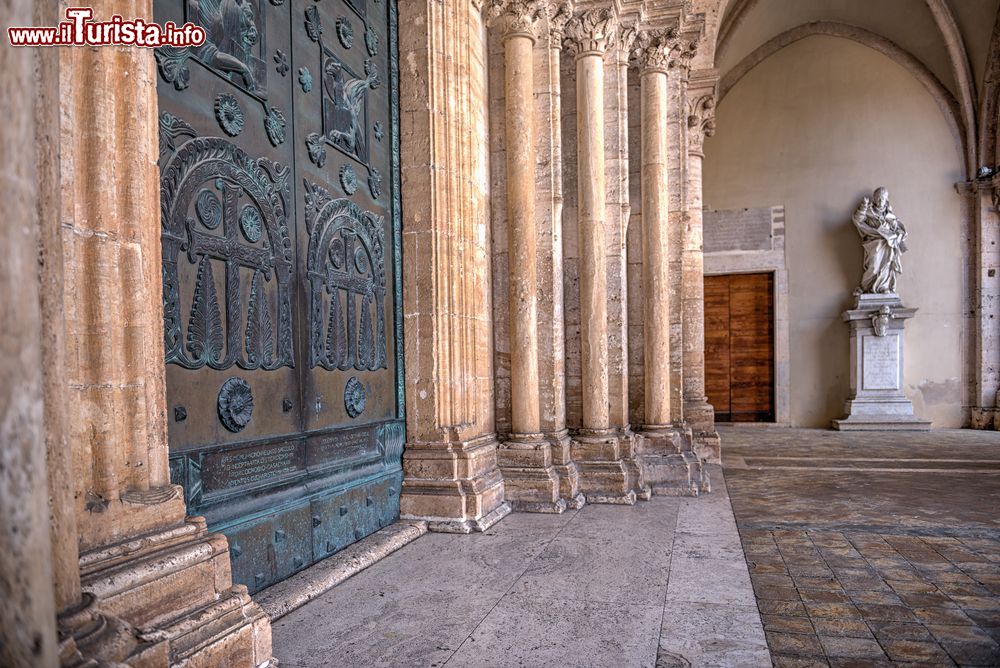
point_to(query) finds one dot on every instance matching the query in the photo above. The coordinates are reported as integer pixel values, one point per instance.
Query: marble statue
(884, 239)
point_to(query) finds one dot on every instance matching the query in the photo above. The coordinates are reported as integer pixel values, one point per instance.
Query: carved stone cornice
(516, 17)
(591, 32)
(652, 48)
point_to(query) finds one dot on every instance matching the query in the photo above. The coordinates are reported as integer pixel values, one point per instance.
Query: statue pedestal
(877, 402)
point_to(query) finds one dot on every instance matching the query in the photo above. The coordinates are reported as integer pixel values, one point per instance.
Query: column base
(669, 464)
(701, 416)
(88, 636)
(455, 486)
(173, 588)
(531, 484)
(604, 477)
(566, 469)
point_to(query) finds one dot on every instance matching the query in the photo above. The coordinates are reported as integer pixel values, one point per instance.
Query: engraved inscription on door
(280, 238)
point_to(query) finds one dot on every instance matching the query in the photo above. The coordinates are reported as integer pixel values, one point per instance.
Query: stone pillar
(549, 198)
(141, 559)
(981, 202)
(699, 413)
(597, 446)
(526, 457)
(451, 477)
(27, 614)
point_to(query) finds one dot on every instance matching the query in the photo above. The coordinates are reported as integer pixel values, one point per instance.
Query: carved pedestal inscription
(251, 465)
(880, 362)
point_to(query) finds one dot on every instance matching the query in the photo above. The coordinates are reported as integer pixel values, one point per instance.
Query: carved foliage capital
(594, 30)
(701, 121)
(516, 17)
(653, 47)
(560, 12)
(682, 52)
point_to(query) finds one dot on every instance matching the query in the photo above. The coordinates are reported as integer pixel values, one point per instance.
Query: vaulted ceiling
(946, 43)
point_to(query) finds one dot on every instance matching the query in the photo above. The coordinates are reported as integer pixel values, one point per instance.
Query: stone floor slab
(888, 543)
(540, 630)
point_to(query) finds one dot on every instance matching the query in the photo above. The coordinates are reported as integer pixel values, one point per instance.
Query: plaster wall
(816, 127)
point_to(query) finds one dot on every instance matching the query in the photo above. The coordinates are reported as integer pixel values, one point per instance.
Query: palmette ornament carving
(516, 17)
(592, 31)
(653, 48)
(701, 122)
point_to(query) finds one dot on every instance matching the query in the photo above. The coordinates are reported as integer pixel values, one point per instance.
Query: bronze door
(739, 346)
(280, 231)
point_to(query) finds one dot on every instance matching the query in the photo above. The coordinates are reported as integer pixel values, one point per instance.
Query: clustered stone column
(614, 465)
(451, 476)
(142, 562)
(526, 457)
(597, 447)
(701, 123)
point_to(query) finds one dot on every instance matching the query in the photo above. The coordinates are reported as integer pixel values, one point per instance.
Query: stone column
(699, 413)
(141, 559)
(667, 463)
(451, 477)
(27, 614)
(652, 59)
(596, 448)
(526, 457)
(549, 198)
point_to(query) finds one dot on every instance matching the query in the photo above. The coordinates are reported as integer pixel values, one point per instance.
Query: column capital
(682, 52)
(652, 49)
(592, 31)
(701, 122)
(702, 90)
(517, 17)
(560, 12)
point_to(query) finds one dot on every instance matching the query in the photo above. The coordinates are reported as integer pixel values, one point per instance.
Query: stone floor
(871, 549)
(662, 583)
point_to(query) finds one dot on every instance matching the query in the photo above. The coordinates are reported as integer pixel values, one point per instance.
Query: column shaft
(522, 234)
(593, 265)
(694, 296)
(656, 270)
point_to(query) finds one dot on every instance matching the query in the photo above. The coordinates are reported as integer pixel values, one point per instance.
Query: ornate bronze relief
(227, 212)
(346, 268)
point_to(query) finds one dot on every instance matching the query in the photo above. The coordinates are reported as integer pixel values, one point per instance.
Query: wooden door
(739, 346)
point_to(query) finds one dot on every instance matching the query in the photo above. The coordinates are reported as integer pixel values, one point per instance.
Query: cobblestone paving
(861, 556)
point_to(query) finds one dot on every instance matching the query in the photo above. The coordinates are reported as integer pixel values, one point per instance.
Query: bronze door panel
(280, 233)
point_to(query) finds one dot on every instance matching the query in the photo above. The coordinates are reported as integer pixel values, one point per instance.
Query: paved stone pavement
(871, 549)
(662, 583)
